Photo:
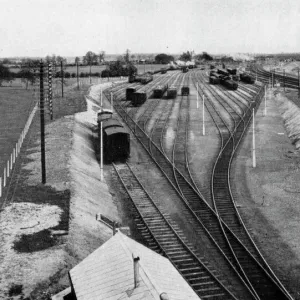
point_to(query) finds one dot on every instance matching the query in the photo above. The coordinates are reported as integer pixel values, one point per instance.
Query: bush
(67, 75)
(73, 75)
(81, 74)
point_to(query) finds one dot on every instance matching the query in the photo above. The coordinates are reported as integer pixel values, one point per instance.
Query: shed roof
(107, 273)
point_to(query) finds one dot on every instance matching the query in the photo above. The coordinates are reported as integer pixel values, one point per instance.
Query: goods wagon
(235, 77)
(229, 83)
(116, 140)
(214, 80)
(129, 93)
(185, 91)
(246, 78)
(171, 92)
(159, 91)
(223, 72)
(139, 98)
(231, 71)
(144, 78)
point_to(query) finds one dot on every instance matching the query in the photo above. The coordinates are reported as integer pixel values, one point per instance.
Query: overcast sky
(73, 27)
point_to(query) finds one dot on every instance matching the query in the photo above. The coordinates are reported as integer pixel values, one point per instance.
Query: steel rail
(181, 255)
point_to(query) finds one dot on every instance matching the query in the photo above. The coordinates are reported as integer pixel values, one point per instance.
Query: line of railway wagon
(229, 78)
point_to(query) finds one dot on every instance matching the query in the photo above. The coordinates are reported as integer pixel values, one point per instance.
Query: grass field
(99, 69)
(15, 107)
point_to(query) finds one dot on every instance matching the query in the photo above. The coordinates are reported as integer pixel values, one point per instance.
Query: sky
(37, 28)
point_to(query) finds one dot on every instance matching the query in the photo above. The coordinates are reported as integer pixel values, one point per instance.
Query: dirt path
(269, 195)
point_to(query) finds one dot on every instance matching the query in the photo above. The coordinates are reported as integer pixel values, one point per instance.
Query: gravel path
(268, 195)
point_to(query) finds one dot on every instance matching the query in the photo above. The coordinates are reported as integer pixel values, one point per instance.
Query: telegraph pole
(298, 84)
(42, 117)
(62, 79)
(77, 67)
(50, 90)
(265, 110)
(203, 115)
(253, 142)
(101, 140)
(197, 96)
(283, 80)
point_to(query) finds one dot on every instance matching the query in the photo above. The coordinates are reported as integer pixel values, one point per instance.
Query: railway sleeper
(215, 296)
(210, 290)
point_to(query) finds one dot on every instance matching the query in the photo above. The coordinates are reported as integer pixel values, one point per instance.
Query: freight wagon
(185, 91)
(231, 71)
(171, 92)
(214, 80)
(116, 140)
(139, 98)
(159, 91)
(247, 78)
(223, 72)
(229, 83)
(129, 93)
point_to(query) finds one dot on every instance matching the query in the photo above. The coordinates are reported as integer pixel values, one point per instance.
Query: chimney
(136, 270)
(164, 296)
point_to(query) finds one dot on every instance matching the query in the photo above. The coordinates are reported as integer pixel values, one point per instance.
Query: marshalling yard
(209, 181)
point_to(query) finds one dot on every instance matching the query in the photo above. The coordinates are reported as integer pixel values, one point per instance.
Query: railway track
(225, 207)
(170, 244)
(267, 77)
(260, 282)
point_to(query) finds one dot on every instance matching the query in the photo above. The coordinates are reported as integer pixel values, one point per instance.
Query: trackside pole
(101, 140)
(265, 110)
(253, 142)
(4, 178)
(101, 151)
(111, 100)
(203, 116)
(197, 96)
(0, 186)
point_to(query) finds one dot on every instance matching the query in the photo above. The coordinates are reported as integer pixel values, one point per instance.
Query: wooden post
(101, 151)
(42, 119)
(197, 96)
(4, 178)
(62, 79)
(283, 80)
(253, 142)
(203, 115)
(265, 110)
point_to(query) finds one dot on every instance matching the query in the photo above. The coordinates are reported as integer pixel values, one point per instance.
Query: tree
(163, 58)
(204, 56)
(90, 59)
(5, 74)
(29, 68)
(127, 56)
(186, 56)
(101, 56)
(77, 60)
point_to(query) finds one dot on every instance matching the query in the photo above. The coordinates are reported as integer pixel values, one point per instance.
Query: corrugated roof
(107, 273)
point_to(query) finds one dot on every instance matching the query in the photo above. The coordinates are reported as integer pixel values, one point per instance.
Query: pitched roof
(107, 273)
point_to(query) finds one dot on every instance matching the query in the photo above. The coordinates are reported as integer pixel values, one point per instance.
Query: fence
(16, 151)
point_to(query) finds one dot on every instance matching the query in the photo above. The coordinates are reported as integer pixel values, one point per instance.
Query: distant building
(124, 269)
